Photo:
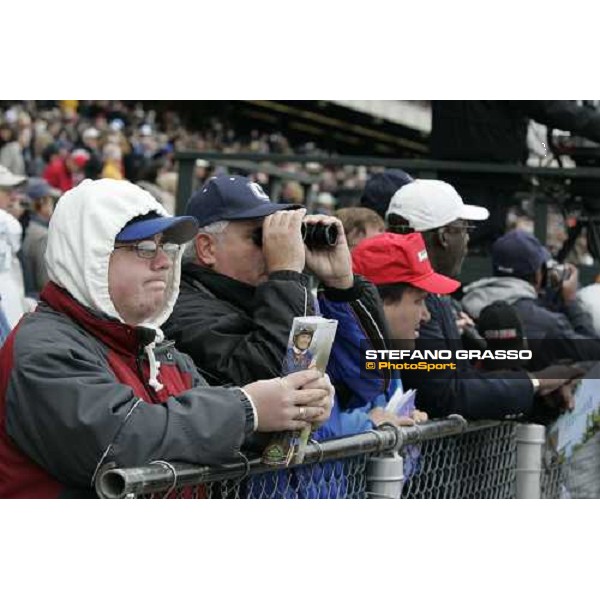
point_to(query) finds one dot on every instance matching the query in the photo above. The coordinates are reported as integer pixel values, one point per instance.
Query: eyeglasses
(462, 227)
(148, 249)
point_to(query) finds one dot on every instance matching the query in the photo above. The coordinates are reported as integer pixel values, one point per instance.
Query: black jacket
(237, 333)
(465, 391)
(234, 331)
(496, 130)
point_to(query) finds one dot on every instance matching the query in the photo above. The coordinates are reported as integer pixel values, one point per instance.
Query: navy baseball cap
(39, 188)
(231, 198)
(176, 229)
(380, 188)
(518, 253)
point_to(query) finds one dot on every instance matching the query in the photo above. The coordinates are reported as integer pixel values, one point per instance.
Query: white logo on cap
(422, 255)
(258, 191)
(504, 269)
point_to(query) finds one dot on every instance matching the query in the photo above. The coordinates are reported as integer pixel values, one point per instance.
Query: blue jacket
(360, 319)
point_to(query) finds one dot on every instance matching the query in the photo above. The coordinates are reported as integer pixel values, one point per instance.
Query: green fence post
(184, 182)
(540, 225)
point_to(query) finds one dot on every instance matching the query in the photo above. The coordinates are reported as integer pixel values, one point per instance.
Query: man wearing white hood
(88, 379)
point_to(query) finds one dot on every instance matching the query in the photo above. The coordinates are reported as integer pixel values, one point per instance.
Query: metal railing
(447, 458)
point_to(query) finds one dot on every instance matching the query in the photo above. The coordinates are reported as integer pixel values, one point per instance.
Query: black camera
(315, 235)
(555, 274)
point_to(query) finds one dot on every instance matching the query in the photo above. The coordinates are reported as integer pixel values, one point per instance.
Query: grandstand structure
(380, 128)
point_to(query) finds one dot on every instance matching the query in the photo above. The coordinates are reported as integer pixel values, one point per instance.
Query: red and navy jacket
(74, 396)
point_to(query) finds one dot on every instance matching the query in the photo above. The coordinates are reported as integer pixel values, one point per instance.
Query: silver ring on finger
(301, 413)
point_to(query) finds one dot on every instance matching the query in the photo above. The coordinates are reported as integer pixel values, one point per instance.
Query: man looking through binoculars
(243, 282)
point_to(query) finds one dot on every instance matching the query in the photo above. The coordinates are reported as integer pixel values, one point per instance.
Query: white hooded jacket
(81, 238)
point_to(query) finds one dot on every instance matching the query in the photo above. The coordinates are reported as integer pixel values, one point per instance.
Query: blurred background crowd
(50, 146)
(66, 141)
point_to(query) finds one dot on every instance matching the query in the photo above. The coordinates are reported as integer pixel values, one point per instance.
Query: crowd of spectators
(99, 329)
(66, 141)
(51, 146)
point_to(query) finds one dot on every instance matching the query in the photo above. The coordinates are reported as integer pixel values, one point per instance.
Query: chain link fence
(331, 480)
(575, 476)
(447, 458)
(476, 464)
(553, 478)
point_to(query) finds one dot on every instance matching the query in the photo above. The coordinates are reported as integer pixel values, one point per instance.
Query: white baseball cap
(431, 203)
(91, 132)
(8, 179)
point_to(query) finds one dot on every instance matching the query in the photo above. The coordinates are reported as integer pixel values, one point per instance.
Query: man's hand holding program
(292, 402)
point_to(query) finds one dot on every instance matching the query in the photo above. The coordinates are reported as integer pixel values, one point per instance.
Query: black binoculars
(314, 235)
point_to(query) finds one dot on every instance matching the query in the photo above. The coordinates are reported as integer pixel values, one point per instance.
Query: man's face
(15, 206)
(46, 208)
(91, 142)
(71, 165)
(448, 259)
(458, 243)
(405, 317)
(138, 287)
(6, 197)
(237, 256)
(303, 341)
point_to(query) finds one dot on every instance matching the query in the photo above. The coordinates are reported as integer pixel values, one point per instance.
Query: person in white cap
(90, 139)
(436, 210)
(11, 278)
(324, 204)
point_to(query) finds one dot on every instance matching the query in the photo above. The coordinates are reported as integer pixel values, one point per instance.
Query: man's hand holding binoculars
(332, 264)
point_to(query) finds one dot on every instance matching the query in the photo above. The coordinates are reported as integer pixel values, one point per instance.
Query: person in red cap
(64, 172)
(400, 268)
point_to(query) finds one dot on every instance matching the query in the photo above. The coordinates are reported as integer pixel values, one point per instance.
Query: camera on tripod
(585, 190)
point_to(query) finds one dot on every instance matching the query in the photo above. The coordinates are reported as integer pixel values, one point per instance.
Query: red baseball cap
(80, 157)
(393, 258)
